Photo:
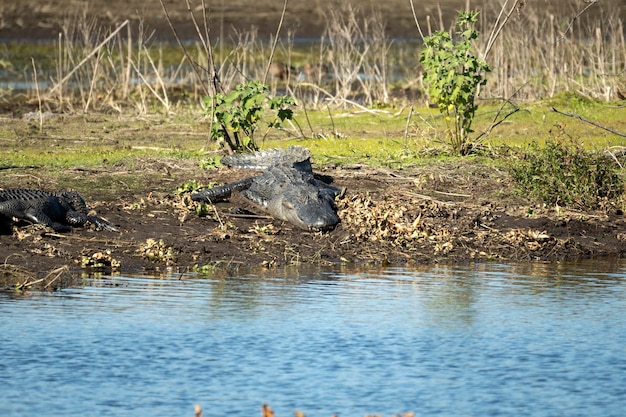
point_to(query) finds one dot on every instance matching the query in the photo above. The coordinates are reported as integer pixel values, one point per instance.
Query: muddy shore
(439, 213)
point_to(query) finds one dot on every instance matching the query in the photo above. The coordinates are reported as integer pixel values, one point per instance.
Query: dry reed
(532, 57)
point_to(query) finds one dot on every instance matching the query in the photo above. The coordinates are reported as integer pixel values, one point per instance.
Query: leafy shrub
(237, 115)
(567, 175)
(453, 73)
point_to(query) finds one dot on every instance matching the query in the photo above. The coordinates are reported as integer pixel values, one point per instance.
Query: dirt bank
(441, 213)
(438, 213)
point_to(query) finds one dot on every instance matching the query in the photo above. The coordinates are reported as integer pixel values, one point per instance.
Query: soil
(439, 213)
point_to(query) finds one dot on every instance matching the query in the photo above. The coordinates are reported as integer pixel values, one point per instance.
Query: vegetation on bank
(348, 100)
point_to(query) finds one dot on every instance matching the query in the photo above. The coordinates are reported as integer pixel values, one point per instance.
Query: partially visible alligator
(59, 210)
(287, 189)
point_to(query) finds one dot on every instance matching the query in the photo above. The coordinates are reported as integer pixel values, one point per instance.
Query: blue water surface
(473, 340)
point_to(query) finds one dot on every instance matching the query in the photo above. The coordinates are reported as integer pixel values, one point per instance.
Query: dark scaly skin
(222, 192)
(287, 189)
(59, 211)
(296, 197)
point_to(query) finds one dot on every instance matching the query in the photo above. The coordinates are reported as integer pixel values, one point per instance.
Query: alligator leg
(38, 216)
(222, 192)
(76, 218)
(102, 224)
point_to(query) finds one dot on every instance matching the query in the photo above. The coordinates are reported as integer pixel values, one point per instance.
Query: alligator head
(308, 207)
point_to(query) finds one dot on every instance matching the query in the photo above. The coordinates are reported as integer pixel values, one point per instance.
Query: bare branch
(591, 122)
(571, 23)
(194, 66)
(280, 24)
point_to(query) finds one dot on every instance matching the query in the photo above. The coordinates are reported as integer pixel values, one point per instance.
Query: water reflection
(478, 339)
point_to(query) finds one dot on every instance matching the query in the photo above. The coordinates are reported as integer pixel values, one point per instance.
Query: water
(477, 340)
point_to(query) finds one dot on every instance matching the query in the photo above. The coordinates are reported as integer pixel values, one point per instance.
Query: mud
(441, 213)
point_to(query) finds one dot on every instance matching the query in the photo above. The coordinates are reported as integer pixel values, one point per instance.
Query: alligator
(287, 189)
(59, 210)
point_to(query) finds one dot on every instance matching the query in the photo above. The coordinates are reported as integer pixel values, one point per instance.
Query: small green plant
(453, 74)
(191, 185)
(567, 176)
(237, 115)
(205, 269)
(211, 162)
(184, 190)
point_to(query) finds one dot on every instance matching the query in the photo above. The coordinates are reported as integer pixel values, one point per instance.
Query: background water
(477, 340)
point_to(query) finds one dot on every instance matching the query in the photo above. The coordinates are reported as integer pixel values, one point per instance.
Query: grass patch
(339, 137)
(71, 146)
(558, 174)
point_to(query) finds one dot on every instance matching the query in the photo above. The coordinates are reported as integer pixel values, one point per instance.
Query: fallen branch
(591, 122)
(49, 279)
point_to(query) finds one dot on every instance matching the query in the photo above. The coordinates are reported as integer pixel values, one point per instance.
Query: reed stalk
(532, 57)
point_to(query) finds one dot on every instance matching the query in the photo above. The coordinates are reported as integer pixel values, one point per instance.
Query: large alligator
(287, 188)
(59, 210)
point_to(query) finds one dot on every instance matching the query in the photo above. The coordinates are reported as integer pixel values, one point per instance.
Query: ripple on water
(540, 339)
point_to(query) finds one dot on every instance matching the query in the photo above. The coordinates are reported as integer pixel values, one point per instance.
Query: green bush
(567, 176)
(453, 74)
(238, 114)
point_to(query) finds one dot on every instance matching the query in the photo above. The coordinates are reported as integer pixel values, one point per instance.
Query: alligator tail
(222, 192)
(262, 160)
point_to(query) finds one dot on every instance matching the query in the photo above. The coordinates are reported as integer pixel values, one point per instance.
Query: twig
(355, 104)
(419, 29)
(608, 151)
(194, 66)
(280, 24)
(571, 23)
(88, 57)
(408, 121)
(332, 121)
(452, 194)
(247, 216)
(495, 123)
(206, 44)
(591, 122)
(306, 115)
(429, 198)
(92, 85)
(497, 28)
(164, 100)
(57, 271)
(38, 96)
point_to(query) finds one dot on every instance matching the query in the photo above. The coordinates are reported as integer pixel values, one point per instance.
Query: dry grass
(532, 56)
(21, 279)
(536, 57)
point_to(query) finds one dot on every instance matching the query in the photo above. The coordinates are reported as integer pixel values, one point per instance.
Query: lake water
(474, 340)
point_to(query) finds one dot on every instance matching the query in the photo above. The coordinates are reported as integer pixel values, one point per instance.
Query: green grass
(379, 139)
(343, 137)
(97, 140)
(560, 173)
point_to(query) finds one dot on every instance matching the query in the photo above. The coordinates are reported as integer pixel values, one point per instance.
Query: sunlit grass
(381, 138)
(384, 138)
